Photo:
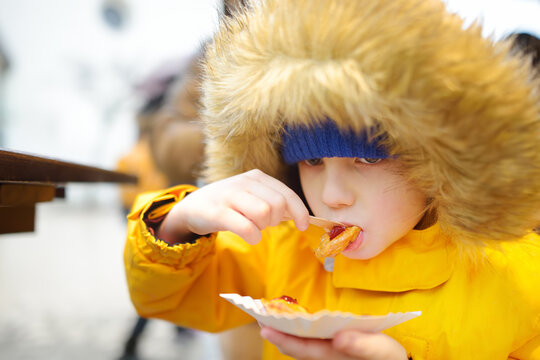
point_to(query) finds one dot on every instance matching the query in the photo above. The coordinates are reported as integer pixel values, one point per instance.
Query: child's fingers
(363, 345)
(231, 220)
(274, 199)
(299, 348)
(295, 206)
(252, 207)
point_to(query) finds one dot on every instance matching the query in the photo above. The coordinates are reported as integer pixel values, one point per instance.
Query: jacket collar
(423, 259)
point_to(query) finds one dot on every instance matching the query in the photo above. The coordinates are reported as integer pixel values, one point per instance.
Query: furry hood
(461, 111)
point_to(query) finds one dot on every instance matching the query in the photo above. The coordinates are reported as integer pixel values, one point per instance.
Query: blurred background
(96, 82)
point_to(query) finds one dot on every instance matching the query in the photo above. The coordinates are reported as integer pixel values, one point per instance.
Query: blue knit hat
(326, 140)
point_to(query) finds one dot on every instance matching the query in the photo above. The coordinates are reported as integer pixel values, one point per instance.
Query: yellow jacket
(489, 310)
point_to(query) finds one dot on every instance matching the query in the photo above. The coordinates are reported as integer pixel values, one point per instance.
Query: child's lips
(356, 243)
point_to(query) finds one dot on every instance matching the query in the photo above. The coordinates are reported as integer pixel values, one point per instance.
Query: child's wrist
(172, 238)
(171, 231)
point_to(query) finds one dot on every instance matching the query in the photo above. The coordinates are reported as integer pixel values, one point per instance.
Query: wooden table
(28, 179)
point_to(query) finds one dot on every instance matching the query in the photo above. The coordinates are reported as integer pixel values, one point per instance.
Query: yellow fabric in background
(139, 162)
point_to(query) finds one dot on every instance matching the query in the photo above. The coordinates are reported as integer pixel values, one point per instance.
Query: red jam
(336, 230)
(288, 299)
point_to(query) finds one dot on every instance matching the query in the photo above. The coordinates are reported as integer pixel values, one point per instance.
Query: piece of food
(283, 305)
(336, 240)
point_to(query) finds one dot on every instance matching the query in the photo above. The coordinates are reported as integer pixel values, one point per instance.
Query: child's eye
(313, 162)
(370, 161)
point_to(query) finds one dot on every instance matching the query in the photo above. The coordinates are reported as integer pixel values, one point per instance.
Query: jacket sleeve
(182, 283)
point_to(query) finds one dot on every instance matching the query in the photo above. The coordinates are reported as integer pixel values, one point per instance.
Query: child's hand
(244, 204)
(346, 345)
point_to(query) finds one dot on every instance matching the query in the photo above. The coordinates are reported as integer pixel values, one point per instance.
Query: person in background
(166, 94)
(139, 160)
(389, 115)
(175, 138)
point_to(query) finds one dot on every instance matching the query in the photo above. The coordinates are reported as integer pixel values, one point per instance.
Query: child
(384, 114)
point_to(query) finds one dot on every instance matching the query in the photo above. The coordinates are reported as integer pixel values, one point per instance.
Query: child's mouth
(356, 243)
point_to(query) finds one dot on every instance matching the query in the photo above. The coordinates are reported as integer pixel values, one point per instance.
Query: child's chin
(364, 252)
(357, 255)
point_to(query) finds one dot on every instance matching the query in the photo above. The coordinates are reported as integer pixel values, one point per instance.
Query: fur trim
(461, 111)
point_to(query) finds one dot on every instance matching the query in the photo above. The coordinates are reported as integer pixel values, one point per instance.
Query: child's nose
(336, 192)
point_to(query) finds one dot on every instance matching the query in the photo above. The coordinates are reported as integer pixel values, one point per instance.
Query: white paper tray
(323, 324)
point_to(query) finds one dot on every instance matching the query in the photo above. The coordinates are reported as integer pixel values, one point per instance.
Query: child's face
(372, 194)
